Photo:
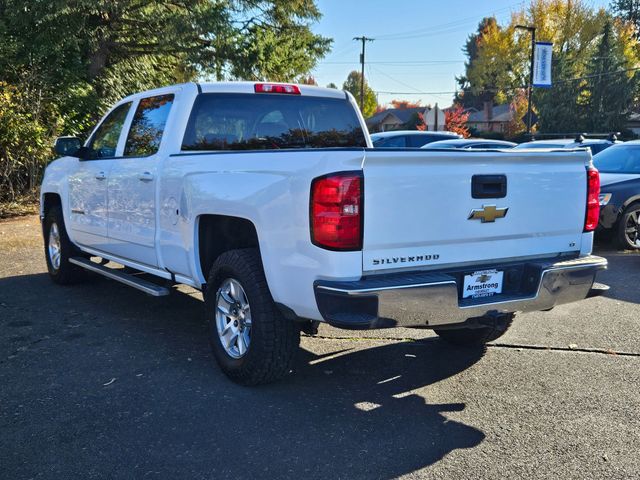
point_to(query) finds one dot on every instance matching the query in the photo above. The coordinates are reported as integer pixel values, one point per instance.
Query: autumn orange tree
(518, 108)
(455, 120)
(404, 104)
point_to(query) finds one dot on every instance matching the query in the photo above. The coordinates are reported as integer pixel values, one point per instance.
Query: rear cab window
(230, 121)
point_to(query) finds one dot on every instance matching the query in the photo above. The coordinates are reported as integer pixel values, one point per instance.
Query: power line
(493, 90)
(395, 79)
(441, 28)
(408, 63)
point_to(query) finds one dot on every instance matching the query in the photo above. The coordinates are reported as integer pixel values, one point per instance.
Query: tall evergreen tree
(609, 88)
(559, 108)
(470, 95)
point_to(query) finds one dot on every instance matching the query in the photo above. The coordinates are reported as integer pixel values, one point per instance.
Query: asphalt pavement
(100, 381)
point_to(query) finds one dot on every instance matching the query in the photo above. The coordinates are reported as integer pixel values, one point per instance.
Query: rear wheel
(492, 329)
(629, 227)
(58, 249)
(251, 340)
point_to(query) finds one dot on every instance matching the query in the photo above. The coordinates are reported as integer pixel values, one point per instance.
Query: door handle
(145, 177)
(100, 176)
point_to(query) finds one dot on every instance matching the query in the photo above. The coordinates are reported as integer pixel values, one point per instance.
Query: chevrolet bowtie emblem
(488, 213)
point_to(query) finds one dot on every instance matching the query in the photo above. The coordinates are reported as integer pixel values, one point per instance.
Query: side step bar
(139, 283)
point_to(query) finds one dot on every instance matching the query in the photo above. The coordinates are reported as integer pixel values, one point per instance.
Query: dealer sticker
(485, 283)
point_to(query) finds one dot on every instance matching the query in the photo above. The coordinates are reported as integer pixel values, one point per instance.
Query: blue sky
(418, 43)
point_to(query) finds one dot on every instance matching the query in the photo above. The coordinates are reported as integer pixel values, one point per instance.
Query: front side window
(226, 121)
(104, 142)
(147, 126)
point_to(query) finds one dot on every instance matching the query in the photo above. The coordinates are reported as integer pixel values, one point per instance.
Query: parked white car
(271, 200)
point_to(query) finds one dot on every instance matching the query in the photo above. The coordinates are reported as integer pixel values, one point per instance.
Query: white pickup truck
(271, 200)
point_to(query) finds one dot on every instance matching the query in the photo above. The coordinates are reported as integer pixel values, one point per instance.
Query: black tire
(628, 230)
(477, 337)
(64, 273)
(274, 340)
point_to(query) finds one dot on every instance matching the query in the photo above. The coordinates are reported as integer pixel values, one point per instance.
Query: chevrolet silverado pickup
(271, 200)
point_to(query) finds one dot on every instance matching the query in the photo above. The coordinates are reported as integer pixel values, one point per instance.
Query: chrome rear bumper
(431, 299)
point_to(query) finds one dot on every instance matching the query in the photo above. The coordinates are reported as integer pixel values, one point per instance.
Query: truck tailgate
(419, 210)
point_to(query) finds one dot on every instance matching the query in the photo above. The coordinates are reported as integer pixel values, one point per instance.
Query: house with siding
(492, 118)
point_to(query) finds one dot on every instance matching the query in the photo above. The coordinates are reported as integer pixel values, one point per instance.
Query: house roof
(501, 113)
(402, 114)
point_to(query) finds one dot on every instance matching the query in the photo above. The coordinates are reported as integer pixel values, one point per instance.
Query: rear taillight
(336, 211)
(276, 88)
(593, 200)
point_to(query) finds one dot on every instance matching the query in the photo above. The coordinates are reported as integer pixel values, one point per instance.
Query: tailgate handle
(489, 186)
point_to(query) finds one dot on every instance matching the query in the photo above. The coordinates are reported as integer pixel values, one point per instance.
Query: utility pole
(532, 30)
(362, 39)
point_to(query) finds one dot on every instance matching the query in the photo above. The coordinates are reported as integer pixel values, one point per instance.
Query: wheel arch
(50, 199)
(216, 234)
(629, 201)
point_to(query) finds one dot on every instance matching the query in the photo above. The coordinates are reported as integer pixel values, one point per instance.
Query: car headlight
(604, 199)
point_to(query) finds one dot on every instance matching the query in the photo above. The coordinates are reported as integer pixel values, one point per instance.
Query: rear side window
(391, 142)
(261, 121)
(418, 140)
(147, 126)
(105, 140)
(598, 147)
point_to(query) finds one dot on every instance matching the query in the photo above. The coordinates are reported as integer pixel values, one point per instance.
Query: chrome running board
(145, 286)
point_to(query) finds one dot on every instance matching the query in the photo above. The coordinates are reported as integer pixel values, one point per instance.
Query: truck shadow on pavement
(621, 275)
(101, 381)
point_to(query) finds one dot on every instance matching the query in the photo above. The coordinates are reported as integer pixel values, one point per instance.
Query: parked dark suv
(619, 167)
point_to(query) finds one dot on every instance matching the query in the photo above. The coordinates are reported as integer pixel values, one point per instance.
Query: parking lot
(99, 380)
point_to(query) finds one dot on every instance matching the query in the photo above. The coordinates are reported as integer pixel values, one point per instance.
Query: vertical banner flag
(542, 64)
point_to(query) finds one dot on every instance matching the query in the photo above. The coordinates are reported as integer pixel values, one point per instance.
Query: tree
(608, 86)
(516, 127)
(474, 95)
(499, 56)
(74, 58)
(629, 11)
(332, 85)
(455, 120)
(352, 85)
(94, 52)
(561, 107)
(404, 104)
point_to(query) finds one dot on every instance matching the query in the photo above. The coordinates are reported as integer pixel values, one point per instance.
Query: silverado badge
(488, 213)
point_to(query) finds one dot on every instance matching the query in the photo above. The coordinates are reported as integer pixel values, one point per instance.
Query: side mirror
(67, 146)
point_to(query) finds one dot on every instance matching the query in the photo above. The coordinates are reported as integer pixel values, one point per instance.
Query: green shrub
(27, 131)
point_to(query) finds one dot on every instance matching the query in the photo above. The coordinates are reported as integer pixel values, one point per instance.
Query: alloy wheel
(632, 228)
(233, 318)
(54, 248)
